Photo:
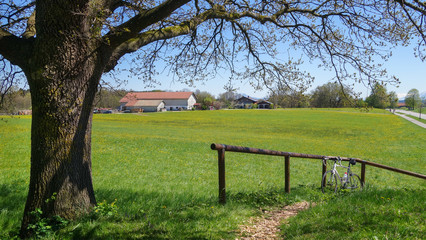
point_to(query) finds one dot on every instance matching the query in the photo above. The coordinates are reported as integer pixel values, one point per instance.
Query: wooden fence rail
(221, 148)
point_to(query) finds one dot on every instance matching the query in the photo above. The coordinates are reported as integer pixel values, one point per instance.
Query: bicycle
(331, 178)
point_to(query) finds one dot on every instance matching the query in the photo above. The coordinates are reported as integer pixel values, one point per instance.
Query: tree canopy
(412, 100)
(194, 36)
(332, 95)
(379, 97)
(393, 100)
(205, 98)
(62, 48)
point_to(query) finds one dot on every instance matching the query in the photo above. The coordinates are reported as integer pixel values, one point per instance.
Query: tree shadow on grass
(158, 215)
(174, 215)
(12, 201)
(12, 195)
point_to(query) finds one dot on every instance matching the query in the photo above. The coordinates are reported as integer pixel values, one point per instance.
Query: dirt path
(267, 226)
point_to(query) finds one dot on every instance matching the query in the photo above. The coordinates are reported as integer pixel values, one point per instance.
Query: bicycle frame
(351, 180)
(334, 169)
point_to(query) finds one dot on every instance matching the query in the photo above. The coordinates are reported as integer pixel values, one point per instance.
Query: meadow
(155, 175)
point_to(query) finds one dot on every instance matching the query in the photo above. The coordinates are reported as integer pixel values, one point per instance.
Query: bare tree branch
(336, 32)
(147, 37)
(133, 26)
(8, 78)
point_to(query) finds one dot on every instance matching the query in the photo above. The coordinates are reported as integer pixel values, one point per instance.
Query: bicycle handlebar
(352, 161)
(338, 160)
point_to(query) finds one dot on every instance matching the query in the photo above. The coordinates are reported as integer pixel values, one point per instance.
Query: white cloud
(401, 95)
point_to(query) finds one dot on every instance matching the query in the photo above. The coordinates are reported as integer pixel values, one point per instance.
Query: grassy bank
(386, 213)
(416, 118)
(163, 174)
(418, 110)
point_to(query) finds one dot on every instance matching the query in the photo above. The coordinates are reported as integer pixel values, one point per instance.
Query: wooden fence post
(287, 174)
(324, 169)
(362, 174)
(221, 165)
(221, 162)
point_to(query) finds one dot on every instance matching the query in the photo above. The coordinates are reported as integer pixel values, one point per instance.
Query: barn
(173, 101)
(145, 105)
(244, 102)
(263, 104)
(248, 102)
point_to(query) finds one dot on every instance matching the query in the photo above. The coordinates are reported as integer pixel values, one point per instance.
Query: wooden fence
(221, 148)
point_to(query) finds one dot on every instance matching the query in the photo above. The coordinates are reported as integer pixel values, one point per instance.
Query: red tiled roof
(131, 103)
(132, 96)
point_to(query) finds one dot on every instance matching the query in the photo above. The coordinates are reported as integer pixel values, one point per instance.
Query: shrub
(105, 209)
(42, 226)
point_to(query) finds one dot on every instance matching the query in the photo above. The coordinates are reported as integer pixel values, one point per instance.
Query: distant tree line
(109, 98)
(20, 99)
(413, 100)
(329, 95)
(14, 100)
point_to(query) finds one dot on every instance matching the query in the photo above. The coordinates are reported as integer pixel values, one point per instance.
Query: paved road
(411, 113)
(410, 119)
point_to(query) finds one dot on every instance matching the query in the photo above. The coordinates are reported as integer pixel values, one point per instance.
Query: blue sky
(403, 64)
(410, 70)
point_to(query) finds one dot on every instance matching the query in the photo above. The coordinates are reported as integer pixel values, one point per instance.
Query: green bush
(106, 209)
(42, 226)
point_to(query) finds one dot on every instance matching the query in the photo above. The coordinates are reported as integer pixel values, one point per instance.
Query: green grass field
(160, 172)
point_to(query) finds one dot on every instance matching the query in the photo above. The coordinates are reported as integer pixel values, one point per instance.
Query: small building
(245, 102)
(248, 102)
(197, 106)
(145, 106)
(263, 104)
(401, 105)
(173, 101)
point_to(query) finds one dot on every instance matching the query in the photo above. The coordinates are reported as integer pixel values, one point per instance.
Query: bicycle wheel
(329, 182)
(354, 182)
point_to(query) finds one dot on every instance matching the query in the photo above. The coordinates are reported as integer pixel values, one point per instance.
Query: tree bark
(60, 160)
(63, 63)
(63, 74)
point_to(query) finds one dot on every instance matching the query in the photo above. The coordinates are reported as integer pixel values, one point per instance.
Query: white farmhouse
(173, 101)
(145, 106)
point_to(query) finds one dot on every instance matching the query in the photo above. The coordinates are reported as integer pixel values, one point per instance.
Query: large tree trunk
(60, 154)
(61, 146)
(63, 75)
